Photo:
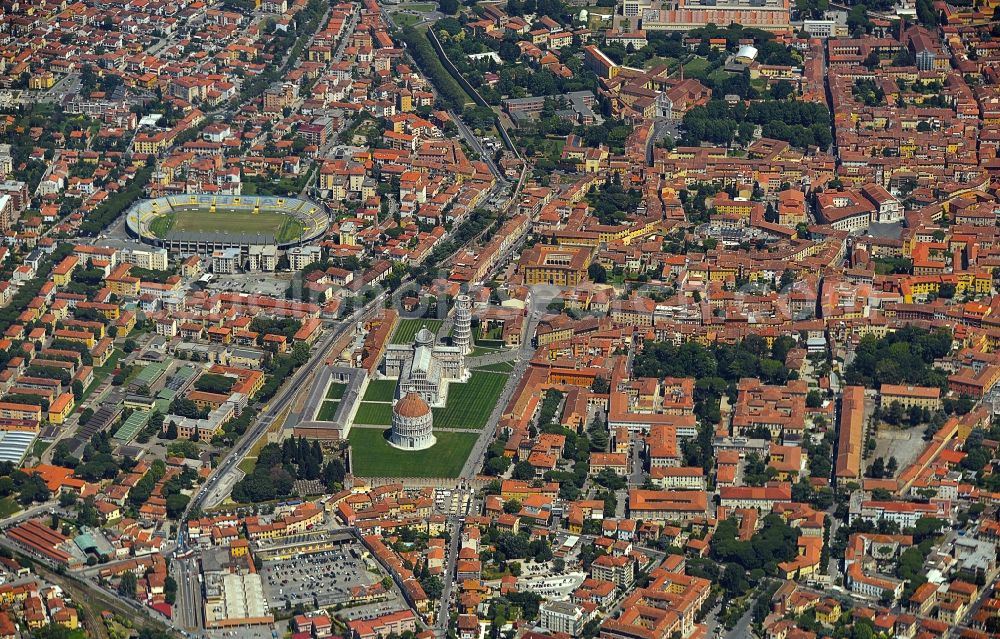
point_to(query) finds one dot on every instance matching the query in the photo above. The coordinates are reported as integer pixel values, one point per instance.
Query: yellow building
(829, 612)
(405, 102)
(42, 81)
(81, 337)
(907, 396)
(61, 408)
(127, 323)
(561, 266)
(127, 286)
(11, 410)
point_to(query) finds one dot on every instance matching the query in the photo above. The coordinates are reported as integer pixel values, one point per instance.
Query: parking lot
(372, 610)
(451, 502)
(320, 579)
(241, 632)
(274, 284)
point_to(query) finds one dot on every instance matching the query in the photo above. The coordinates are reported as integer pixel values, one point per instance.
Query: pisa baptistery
(412, 423)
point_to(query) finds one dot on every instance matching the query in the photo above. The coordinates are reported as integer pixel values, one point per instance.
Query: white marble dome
(412, 424)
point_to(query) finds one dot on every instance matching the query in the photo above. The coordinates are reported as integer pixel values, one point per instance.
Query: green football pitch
(285, 228)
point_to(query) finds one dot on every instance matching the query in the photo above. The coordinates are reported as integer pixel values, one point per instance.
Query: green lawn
(696, 67)
(285, 228)
(478, 351)
(407, 328)
(502, 367)
(720, 75)
(111, 364)
(327, 410)
(8, 506)
(40, 447)
(372, 456)
(377, 414)
(336, 391)
(404, 20)
(470, 404)
(380, 390)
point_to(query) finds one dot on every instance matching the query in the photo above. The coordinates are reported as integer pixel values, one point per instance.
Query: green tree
(127, 585)
(597, 273)
(523, 471)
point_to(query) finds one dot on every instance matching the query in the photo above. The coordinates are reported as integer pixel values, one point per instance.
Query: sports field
(285, 228)
(407, 328)
(372, 456)
(470, 404)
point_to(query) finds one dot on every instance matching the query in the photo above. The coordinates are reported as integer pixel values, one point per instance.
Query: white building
(300, 257)
(462, 336)
(820, 28)
(225, 261)
(412, 424)
(150, 258)
(906, 514)
(262, 258)
(167, 327)
(562, 616)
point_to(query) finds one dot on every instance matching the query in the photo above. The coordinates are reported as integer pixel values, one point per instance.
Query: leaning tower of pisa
(462, 335)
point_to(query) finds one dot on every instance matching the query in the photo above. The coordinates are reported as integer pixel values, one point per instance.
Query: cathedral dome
(411, 406)
(424, 337)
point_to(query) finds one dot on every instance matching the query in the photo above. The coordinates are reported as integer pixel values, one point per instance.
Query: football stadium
(189, 224)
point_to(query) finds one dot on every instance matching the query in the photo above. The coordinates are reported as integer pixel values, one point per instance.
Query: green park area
(284, 228)
(404, 20)
(407, 328)
(380, 390)
(470, 404)
(372, 456)
(374, 413)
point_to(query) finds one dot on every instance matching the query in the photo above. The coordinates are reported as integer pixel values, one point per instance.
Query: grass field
(8, 506)
(336, 391)
(502, 367)
(375, 413)
(374, 457)
(327, 410)
(407, 328)
(470, 404)
(696, 67)
(420, 7)
(40, 447)
(380, 390)
(404, 20)
(285, 228)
